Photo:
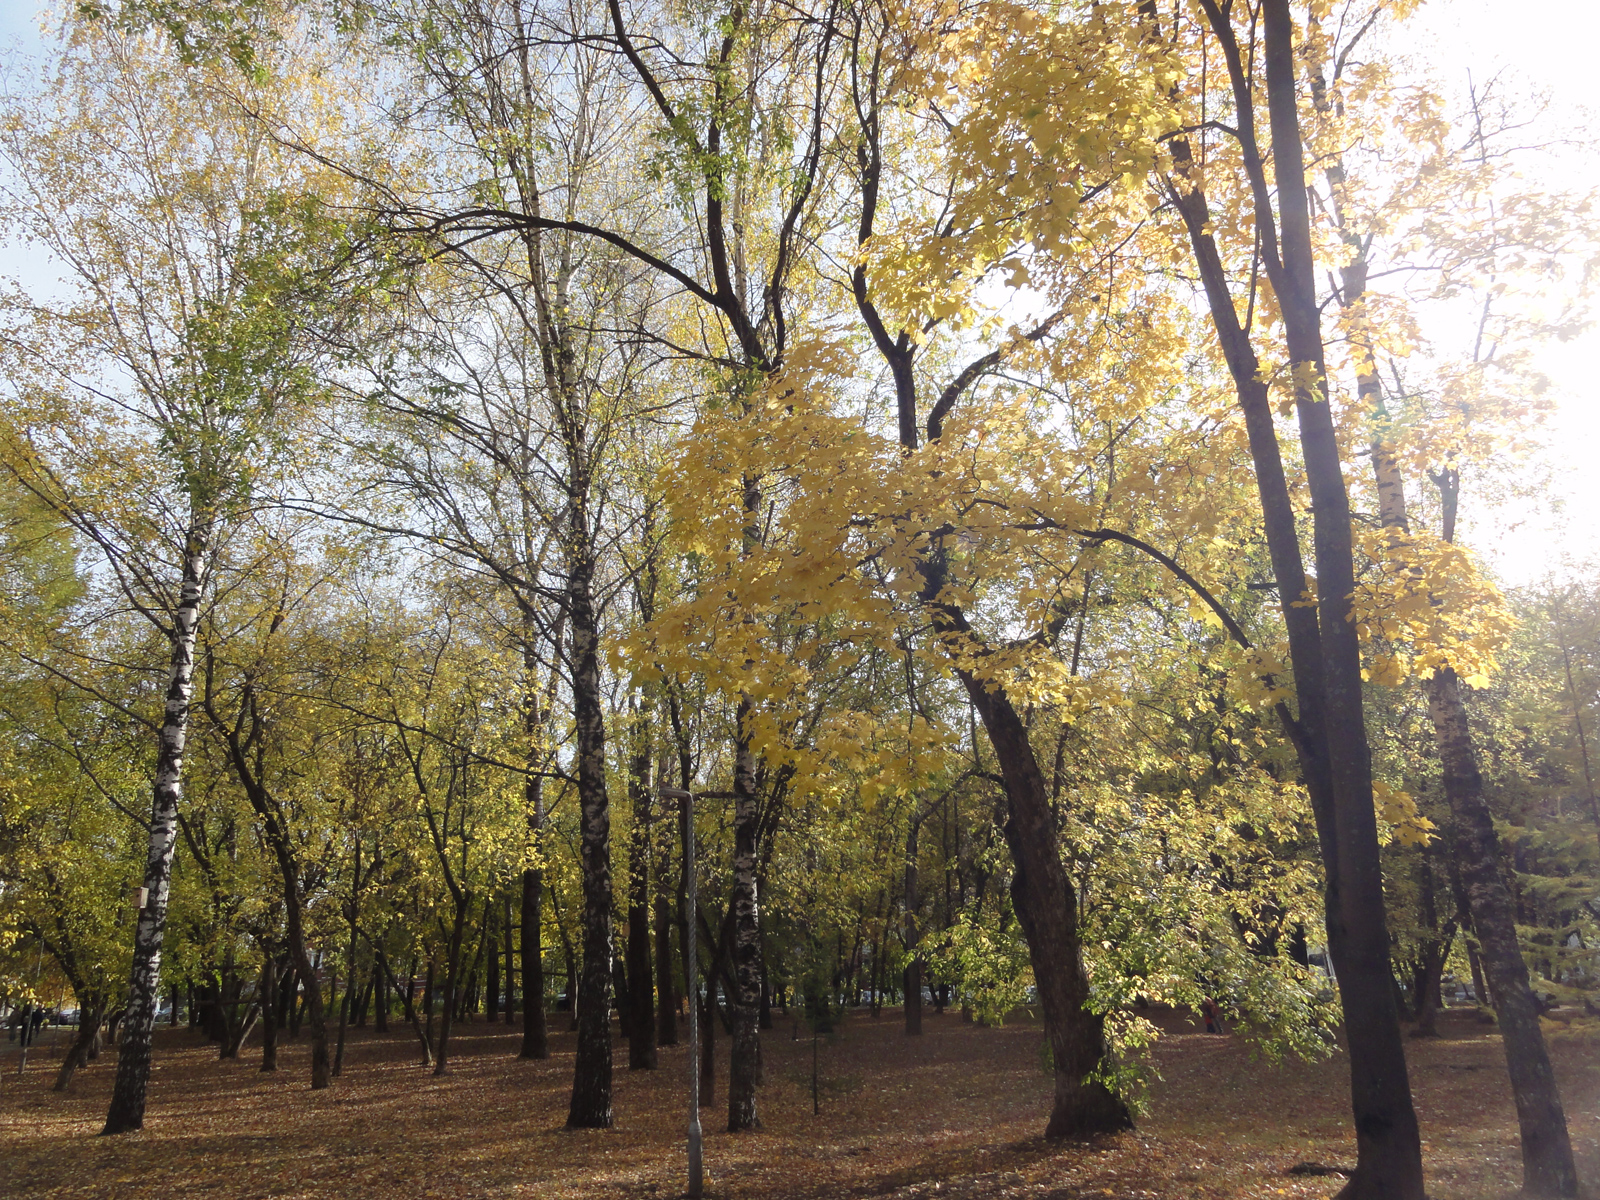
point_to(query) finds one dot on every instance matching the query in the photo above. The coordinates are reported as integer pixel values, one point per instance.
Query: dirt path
(956, 1113)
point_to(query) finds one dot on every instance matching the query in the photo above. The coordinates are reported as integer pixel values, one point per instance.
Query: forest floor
(955, 1114)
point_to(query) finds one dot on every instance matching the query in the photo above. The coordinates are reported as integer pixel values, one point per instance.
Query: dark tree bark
(1045, 901)
(744, 1062)
(452, 976)
(491, 953)
(591, 1081)
(535, 1031)
(708, 1041)
(242, 738)
(666, 981)
(407, 1005)
(89, 1018)
(1328, 732)
(144, 980)
(1046, 905)
(1547, 1163)
(641, 995)
(913, 975)
(269, 1011)
(380, 1000)
(511, 961)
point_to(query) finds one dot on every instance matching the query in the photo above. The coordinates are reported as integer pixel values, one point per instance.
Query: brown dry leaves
(955, 1114)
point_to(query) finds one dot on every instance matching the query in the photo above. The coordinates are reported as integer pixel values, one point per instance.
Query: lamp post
(696, 1173)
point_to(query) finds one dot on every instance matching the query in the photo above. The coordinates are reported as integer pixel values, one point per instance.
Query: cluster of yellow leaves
(1422, 605)
(1398, 810)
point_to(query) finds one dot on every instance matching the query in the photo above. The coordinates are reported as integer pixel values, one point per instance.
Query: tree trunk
(144, 980)
(346, 1003)
(238, 1034)
(535, 1032)
(1046, 905)
(269, 1012)
(452, 978)
(591, 1081)
(913, 1001)
(408, 1006)
(1329, 730)
(666, 981)
(491, 954)
(89, 1017)
(708, 1041)
(1389, 1149)
(641, 995)
(321, 1072)
(744, 1061)
(1547, 1164)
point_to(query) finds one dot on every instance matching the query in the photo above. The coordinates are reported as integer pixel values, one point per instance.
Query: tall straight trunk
(641, 995)
(591, 1080)
(380, 1000)
(491, 954)
(1389, 1149)
(708, 1040)
(511, 961)
(666, 980)
(1328, 732)
(1548, 1168)
(744, 1062)
(913, 1001)
(1426, 979)
(315, 1016)
(346, 1002)
(1547, 1163)
(126, 1111)
(269, 1012)
(452, 980)
(535, 1032)
(345, 1005)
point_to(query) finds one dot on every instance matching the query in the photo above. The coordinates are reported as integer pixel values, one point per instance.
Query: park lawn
(956, 1113)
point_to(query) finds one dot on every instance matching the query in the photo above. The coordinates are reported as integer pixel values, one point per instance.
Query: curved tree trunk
(89, 1018)
(144, 979)
(1047, 908)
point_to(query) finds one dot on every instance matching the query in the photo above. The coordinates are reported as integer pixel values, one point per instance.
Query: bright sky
(1547, 46)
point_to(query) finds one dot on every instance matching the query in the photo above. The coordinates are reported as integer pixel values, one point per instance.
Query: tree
(153, 400)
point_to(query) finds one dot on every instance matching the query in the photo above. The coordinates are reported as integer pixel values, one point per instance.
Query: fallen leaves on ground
(952, 1115)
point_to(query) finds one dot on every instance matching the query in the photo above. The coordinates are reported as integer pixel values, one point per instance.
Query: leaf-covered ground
(955, 1113)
